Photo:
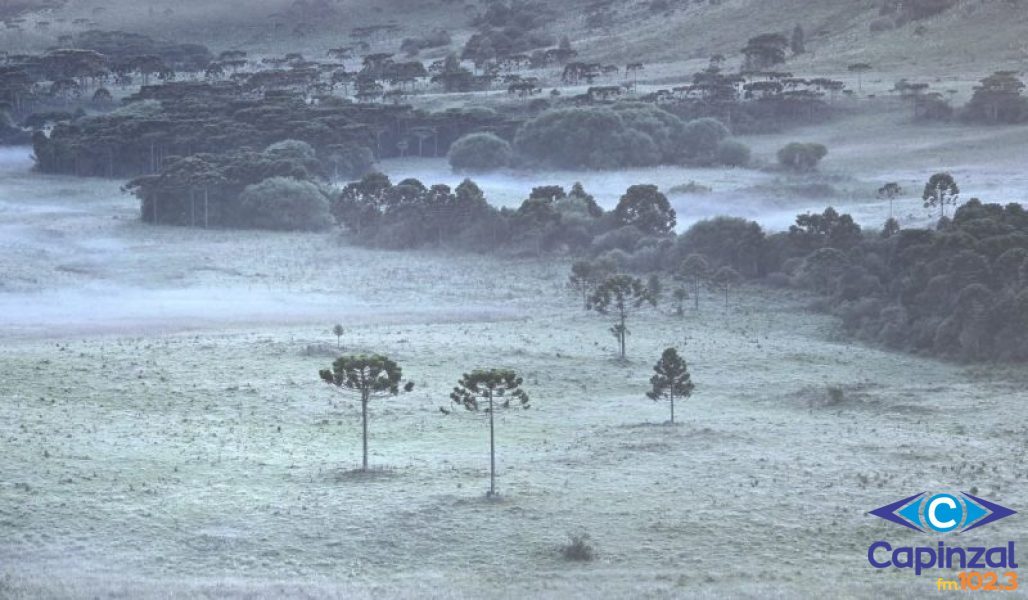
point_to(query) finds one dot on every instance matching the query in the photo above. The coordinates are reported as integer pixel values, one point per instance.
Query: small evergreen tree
(585, 276)
(724, 279)
(490, 390)
(694, 270)
(679, 295)
(337, 330)
(670, 380)
(940, 190)
(654, 286)
(368, 377)
(620, 294)
(890, 228)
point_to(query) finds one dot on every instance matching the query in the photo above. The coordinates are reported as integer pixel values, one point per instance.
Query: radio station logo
(988, 567)
(942, 513)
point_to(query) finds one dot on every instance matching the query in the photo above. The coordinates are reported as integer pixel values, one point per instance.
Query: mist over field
(508, 299)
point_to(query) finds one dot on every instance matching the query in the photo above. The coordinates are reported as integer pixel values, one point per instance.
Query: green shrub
(579, 548)
(701, 138)
(733, 153)
(798, 156)
(589, 138)
(285, 204)
(479, 152)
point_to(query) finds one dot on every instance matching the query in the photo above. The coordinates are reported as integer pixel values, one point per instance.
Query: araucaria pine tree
(620, 295)
(490, 390)
(671, 380)
(368, 377)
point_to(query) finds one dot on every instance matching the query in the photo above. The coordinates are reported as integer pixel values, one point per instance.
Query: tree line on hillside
(620, 136)
(186, 118)
(959, 290)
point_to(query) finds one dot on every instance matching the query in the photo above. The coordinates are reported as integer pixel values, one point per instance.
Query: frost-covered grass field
(164, 432)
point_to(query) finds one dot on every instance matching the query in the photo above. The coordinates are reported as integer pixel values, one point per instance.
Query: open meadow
(169, 436)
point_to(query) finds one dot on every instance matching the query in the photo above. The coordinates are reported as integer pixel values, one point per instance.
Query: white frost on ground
(164, 433)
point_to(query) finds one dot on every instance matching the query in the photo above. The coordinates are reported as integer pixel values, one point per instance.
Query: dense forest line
(958, 290)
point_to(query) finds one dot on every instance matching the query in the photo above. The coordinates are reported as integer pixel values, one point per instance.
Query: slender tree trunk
(492, 448)
(205, 207)
(623, 332)
(696, 295)
(672, 394)
(364, 424)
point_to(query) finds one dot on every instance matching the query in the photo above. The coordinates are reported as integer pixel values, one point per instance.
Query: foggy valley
(511, 299)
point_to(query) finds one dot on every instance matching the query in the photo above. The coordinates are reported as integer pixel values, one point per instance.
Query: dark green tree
(695, 269)
(679, 295)
(620, 295)
(859, 69)
(890, 191)
(369, 377)
(724, 279)
(338, 331)
(479, 152)
(998, 98)
(798, 156)
(890, 228)
(824, 266)
(646, 208)
(940, 190)
(586, 275)
(813, 231)
(670, 380)
(490, 390)
(765, 50)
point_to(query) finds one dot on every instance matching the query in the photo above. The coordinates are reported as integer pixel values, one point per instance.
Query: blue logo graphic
(942, 513)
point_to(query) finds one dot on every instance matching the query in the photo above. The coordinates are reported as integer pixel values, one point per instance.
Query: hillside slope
(972, 38)
(975, 36)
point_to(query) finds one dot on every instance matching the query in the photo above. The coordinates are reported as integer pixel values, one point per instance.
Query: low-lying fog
(734, 192)
(75, 258)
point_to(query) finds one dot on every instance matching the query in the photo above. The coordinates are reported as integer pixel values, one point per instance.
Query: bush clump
(286, 204)
(733, 154)
(579, 548)
(480, 152)
(585, 138)
(701, 138)
(798, 156)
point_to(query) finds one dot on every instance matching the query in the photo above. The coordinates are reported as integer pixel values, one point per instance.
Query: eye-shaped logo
(942, 512)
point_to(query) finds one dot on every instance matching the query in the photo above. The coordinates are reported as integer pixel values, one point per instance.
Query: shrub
(579, 548)
(733, 153)
(690, 188)
(702, 136)
(623, 238)
(286, 204)
(591, 138)
(350, 162)
(665, 129)
(798, 156)
(478, 152)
